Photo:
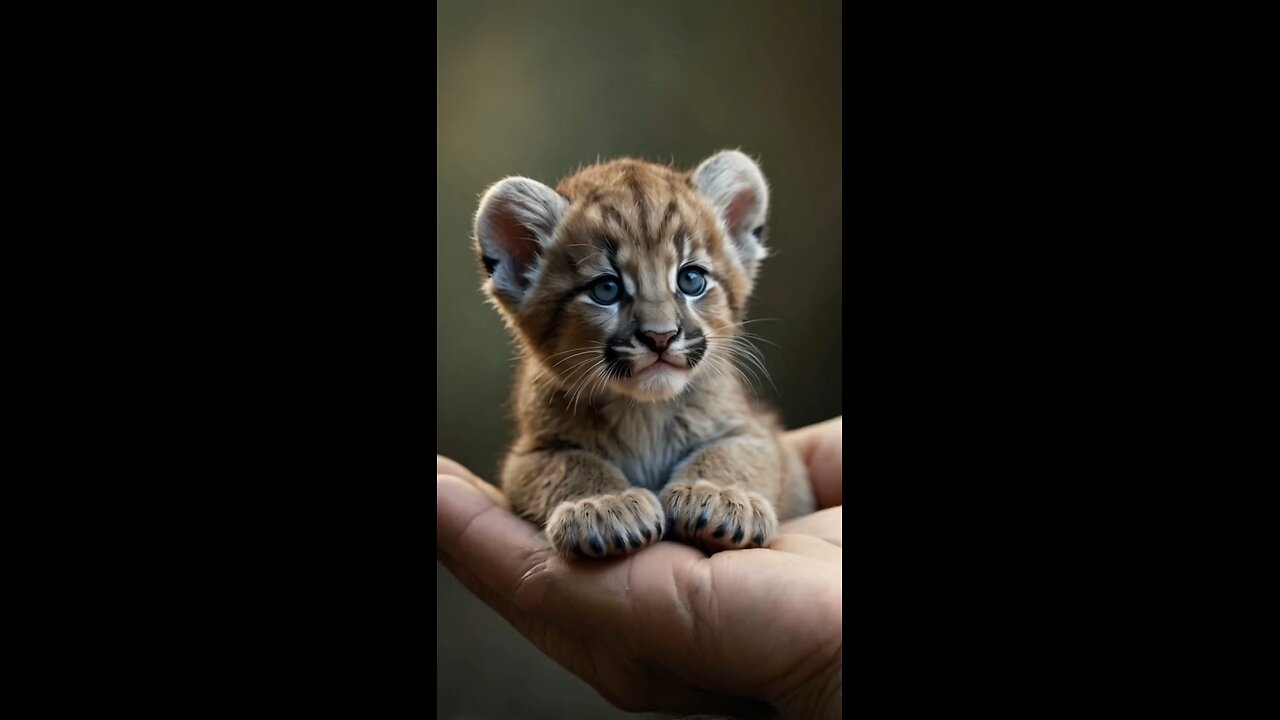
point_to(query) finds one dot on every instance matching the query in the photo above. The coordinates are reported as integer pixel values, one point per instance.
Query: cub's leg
(722, 497)
(586, 504)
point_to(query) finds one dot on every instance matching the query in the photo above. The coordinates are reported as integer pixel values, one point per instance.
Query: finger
(497, 547)
(494, 494)
(821, 447)
(826, 524)
(808, 546)
(447, 466)
(486, 594)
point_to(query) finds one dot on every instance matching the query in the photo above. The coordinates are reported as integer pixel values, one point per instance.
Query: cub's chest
(648, 451)
(651, 470)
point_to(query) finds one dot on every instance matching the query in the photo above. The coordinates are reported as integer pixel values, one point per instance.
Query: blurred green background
(538, 88)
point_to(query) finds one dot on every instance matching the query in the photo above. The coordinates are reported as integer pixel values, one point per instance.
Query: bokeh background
(538, 88)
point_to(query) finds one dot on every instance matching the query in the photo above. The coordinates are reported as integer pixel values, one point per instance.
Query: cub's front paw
(718, 518)
(606, 525)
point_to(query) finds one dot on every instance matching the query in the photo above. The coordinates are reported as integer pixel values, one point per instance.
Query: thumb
(446, 466)
(478, 532)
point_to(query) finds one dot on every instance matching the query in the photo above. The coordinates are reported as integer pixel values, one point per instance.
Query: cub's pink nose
(657, 341)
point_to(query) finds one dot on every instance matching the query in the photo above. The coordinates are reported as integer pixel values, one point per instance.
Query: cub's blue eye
(692, 281)
(606, 291)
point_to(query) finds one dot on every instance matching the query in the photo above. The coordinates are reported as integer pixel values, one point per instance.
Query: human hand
(667, 628)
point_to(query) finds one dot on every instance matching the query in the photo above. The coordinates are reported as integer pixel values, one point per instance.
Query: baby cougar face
(629, 278)
(639, 285)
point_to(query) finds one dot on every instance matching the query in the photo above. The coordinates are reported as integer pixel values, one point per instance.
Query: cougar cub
(626, 287)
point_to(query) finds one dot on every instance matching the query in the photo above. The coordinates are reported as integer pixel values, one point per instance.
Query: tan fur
(611, 462)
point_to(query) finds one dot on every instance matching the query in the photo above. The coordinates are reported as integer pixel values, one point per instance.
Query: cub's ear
(736, 189)
(516, 221)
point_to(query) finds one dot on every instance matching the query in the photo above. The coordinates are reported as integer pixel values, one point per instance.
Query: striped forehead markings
(632, 180)
(676, 236)
(671, 224)
(611, 214)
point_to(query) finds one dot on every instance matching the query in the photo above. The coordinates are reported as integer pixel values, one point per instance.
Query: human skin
(743, 632)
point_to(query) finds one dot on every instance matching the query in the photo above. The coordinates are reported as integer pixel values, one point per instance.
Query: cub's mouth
(654, 373)
(666, 362)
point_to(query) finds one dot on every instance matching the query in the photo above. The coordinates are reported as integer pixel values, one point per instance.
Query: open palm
(668, 628)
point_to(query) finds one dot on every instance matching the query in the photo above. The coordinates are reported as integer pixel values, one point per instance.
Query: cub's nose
(657, 341)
